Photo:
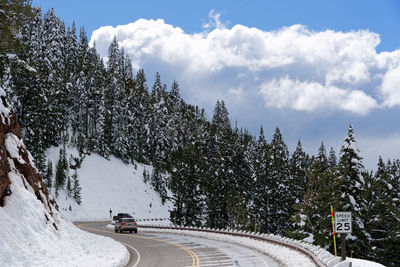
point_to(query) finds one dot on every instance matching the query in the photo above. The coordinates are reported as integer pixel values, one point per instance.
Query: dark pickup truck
(121, 215)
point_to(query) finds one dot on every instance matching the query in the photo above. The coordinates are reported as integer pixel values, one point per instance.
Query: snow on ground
(358, 263)
(28, 239)
(109, 184)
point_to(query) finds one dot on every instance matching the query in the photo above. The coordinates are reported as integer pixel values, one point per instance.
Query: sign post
(333, 229)
(343, 226)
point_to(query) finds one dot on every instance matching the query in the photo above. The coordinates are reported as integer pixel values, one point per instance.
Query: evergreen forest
(215, 173)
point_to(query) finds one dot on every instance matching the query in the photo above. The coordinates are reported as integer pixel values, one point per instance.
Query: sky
(310, 68)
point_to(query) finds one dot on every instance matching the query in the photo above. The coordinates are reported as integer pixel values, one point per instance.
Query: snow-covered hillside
(32, 231)
(109, 184)
(28, 239)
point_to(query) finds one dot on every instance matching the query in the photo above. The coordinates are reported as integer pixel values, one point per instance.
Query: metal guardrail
(264, 238)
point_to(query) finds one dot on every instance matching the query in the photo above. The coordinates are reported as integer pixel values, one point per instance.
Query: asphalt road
(150, 249)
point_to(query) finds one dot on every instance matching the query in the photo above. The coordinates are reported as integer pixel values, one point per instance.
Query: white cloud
(292, 67)
(391, 87)
(312, 96)
(214, 22)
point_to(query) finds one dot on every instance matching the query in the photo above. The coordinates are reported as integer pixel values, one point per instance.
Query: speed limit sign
(343, 222)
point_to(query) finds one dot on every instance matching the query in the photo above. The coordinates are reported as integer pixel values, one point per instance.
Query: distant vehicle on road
(121, 215)
(126, 224)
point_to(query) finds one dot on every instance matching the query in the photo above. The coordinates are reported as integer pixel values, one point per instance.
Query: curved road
(149, 249)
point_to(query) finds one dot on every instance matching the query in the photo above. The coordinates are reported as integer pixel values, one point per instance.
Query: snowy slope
(109, 184)
(28, 239)
(32, 231)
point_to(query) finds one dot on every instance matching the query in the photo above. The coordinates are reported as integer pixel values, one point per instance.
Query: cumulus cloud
(312, 96)
(291, 68)
(391, 87)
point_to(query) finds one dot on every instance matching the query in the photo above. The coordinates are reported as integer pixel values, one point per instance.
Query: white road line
(137, 252)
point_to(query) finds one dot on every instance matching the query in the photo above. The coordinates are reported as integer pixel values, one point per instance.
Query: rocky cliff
(15, 159)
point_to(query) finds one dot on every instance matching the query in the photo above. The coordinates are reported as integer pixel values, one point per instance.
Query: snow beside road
(358, 263)
(109, 184)
(28, 239)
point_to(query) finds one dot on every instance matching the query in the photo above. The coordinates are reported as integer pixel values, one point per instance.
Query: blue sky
(309, 67)
(380, 16)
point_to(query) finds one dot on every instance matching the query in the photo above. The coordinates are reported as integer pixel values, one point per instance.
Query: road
(150, 249)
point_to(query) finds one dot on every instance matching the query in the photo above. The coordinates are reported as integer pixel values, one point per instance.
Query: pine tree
(185, 168)
(94, 95)
(348, 188)
(76, 188)
(381, 217)
(219, 154)
(61, 171)
(48, 177)
(298, 168)
(69, 186)
(280, 185)
(221, 116)
(140, 129)
(312, 217)
(109, 100)
(53, 78)
(158, 183)
(262, 184)
(159, 134)
(240, 187)
(14, 13)
(332, 160)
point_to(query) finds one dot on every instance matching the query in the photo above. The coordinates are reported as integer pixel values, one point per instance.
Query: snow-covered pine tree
(240, 176)
(186, 174)
(221, 117)
(174, 105)
(332, 160)
(311, 220)
(381, 216)
(280, 185)
(109, 100)
(219, 153)
(298, 168)
(94, 100)
(12, 17)
(262, 184)
(76, 188)
(348, 188)
(140, 112)
(394, 209)
(159, 133)
(79, 95)
(123, 118)
(71, 68)
(53, 78)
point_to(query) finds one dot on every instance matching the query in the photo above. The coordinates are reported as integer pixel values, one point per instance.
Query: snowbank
(358, 263)
(29, 239)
